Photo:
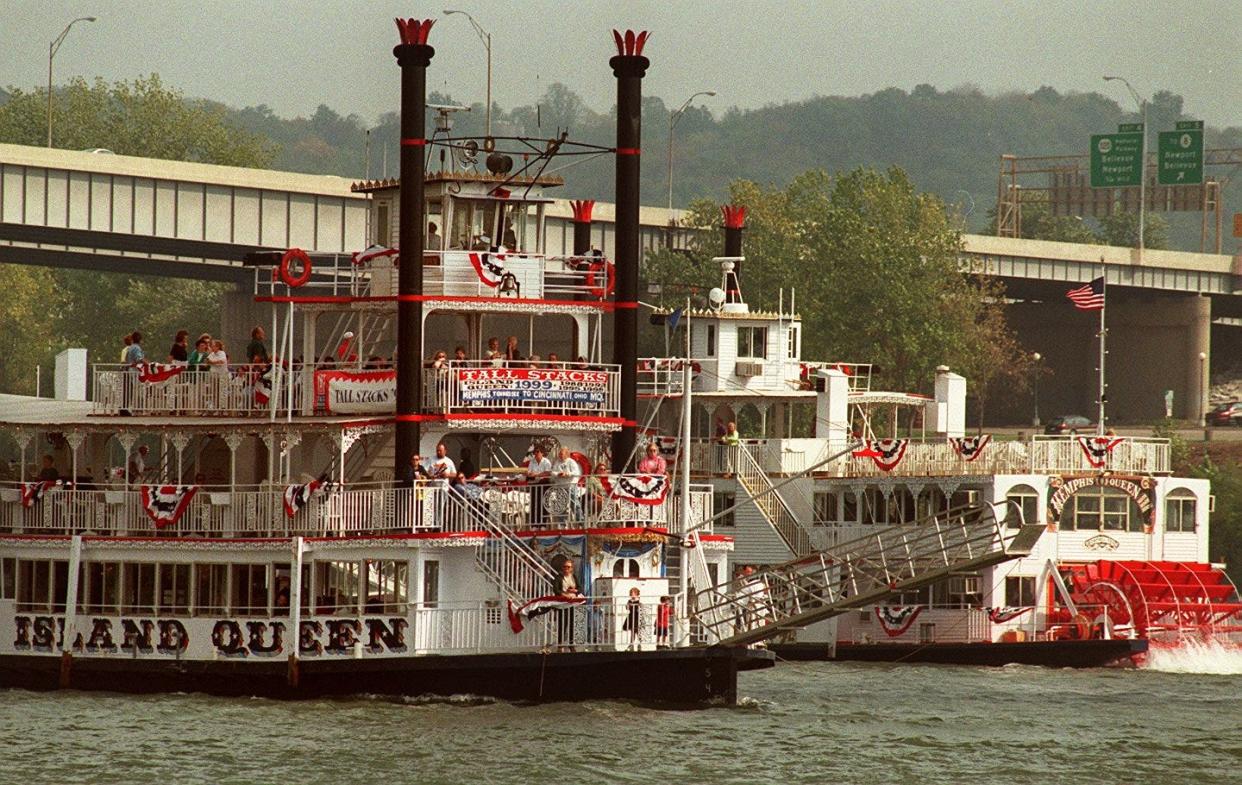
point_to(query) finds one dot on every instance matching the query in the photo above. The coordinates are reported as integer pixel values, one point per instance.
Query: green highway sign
(1130, 128)
(1179, 155)
(1116, 160)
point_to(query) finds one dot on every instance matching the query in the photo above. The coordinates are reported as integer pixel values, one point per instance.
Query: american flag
(1089, 297)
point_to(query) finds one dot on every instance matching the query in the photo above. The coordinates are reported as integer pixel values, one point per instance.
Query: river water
(798, 723)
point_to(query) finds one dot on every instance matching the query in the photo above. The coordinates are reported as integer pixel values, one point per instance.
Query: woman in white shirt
(217, 359)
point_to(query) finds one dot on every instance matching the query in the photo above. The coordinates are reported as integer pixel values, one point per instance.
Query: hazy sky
(295, 55)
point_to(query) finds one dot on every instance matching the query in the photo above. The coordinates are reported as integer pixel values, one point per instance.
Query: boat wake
(1191, 656)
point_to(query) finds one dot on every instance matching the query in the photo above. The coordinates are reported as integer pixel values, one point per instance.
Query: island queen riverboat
(369, 511)
(822, 458)
(262, 529)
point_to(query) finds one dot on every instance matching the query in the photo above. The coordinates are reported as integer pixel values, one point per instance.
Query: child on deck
(664, 617)
(633, 607)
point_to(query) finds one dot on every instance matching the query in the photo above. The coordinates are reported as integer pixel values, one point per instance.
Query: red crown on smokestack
(414, 31)
(630, 45)
(734, 215)
(582, 210)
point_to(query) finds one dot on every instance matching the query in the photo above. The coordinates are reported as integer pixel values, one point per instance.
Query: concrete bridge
(62, 208)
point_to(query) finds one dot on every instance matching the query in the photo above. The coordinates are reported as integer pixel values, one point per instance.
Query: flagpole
(1103, 333)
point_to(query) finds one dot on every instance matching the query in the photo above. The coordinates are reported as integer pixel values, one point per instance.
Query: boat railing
(358, 509)
(528, 388)
(661, 376)
(937, 456)
(178, 389)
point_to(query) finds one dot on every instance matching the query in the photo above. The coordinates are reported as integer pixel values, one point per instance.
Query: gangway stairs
(768, 500)
(861, 573)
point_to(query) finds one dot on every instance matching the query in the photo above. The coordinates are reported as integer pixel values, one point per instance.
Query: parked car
(1226, 414)
(1067, 423)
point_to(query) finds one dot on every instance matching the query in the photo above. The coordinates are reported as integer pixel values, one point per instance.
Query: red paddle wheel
(1159, 599)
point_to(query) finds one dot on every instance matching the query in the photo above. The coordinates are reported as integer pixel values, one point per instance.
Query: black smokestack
(629, 66)
(413, 55)
(734, 222)
(582, 225)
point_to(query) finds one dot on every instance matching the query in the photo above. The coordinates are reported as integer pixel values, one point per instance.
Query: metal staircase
(860, 573)
(512, 564)
(751, 477)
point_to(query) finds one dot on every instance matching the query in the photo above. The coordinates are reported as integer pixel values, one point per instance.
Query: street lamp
(1037, 357)
(1142, 105)
(1203, 389)
(673, 119)
(486, 38)
(52, 49)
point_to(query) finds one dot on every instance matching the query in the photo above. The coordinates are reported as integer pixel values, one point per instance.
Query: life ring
(286, 265)
(609, 271)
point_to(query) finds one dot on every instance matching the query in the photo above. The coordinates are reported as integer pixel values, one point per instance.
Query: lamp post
(52, 49)
(673, 119)
(486, 38)
(1037, 357)
(1203, 389)
(1142, 106)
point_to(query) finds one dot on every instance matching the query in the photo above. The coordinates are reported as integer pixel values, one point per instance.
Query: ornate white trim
(507, 304)
(502, 422)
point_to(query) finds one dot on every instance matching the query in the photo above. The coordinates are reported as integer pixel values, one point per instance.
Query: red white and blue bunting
(538, 607)
(490, 267)
(641, 489)
(1002, 615)
(32, 492)
(298, 496)
(154, 373)
(263, 385)
(1098, 448)
(970, 447)
(164, 504)
(373, 252)
(886, 453)
(896, 619)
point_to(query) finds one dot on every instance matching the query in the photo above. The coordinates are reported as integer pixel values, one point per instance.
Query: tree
(1121, 228)
(142, 117)
(874, 264)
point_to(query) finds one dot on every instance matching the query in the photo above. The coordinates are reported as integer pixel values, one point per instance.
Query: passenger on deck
(48, 473)
(494, 355)
(538, 474)
(256, 351)
(459, 354)
(415, 470)
(125, 344)
(179, 351)
(198, 357)
(653, 463)
(434, 241)
(442, 466)
(133, 353)
(565, 585)
(465, 466)
(569, 474)
(138, 464)
(512, 353)
(218, 360)
(438, 361)
(596, 493)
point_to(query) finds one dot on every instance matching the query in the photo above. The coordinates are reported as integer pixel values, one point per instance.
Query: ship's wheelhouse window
(387, 586)
(752, 342)
(8, 579)
(711, 340)
(625, 568)
(1026, 499)
(336, 587)
(1180, 507)
(825, 508)
(519, 229)
(722, 501)
(250, 589)
(1099, 508)
(211, 589)
(1020, 591)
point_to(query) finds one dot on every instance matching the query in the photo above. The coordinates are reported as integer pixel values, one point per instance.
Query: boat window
(1026, 499)
(387, 586)
(711, 340)
(101, 593)
(211, 594)
(1097, 508)
(250, 590)
(431, 583)
(752, 342)
(174, 588)
(849, 507)
(721, 501)
(137, 588)
(60, 585)
(825, 511)
(8, 579)
(623, 568)
(792, 350)
(1179, 511)
(383, 224)
(336, 587)
(32, 583)
(1020, 591)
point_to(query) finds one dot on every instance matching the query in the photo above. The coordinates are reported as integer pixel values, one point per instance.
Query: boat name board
(206, 638)
(481, 385)
(1140, 489)
(356, 392)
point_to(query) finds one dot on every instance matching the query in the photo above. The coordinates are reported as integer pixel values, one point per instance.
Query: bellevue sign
(1179, 157)
(1117, 159)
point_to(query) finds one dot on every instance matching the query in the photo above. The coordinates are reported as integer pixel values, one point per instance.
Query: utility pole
(52, 49)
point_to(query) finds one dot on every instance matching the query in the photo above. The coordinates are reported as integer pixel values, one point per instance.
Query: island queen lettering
(496, 385)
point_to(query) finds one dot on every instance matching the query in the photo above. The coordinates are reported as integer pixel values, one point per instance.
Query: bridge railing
(169, 388)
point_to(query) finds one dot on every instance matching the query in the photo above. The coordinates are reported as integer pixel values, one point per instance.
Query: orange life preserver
(609, 271)
(286, 263)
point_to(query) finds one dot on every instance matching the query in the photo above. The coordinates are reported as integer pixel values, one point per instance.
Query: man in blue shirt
(134, 354)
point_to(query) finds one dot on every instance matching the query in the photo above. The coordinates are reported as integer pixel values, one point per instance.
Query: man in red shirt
(654, 463)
